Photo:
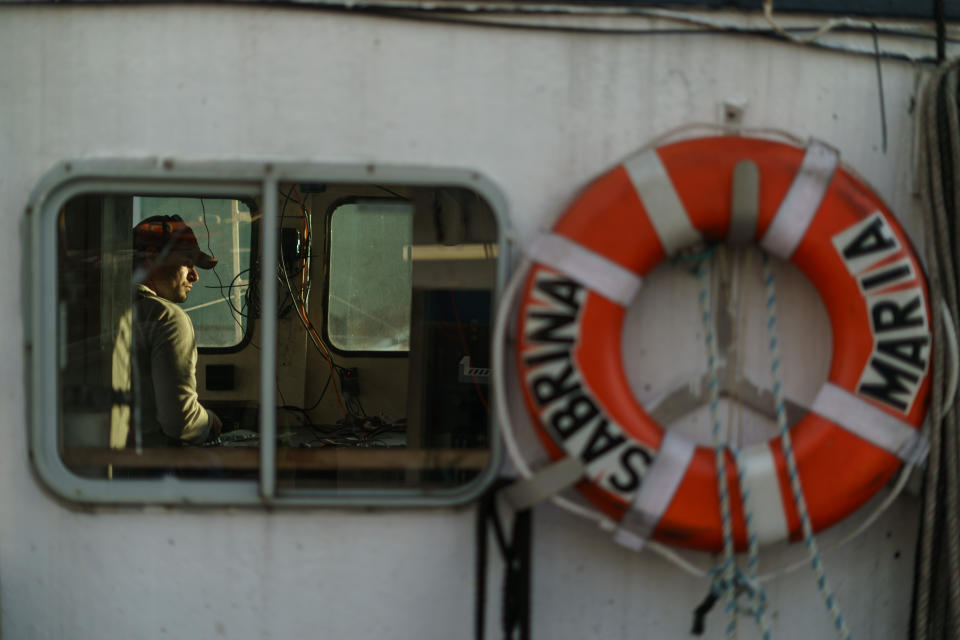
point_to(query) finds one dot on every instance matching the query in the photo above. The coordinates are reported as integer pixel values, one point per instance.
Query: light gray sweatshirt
(162, 380)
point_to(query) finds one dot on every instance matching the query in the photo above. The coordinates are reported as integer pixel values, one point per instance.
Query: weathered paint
(540, 114)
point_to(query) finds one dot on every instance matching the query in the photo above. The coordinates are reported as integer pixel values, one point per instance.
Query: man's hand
(216, 426)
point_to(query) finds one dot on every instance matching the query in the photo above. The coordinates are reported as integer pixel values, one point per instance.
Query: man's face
(173, 278)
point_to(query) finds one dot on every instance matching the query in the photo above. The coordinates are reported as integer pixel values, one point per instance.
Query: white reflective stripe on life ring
(659, 197)
(587, 267)
(870, 423)
(656, 492)
(545, 483)
(667, 472)
(802, 201)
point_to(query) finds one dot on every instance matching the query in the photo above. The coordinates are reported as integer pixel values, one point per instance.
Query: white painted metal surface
(539, 113)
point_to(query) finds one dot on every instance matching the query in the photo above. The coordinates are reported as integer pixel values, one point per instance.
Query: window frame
(229, 179)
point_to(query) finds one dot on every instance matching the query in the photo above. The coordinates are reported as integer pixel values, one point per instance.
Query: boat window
(368, 300)
(248, 340)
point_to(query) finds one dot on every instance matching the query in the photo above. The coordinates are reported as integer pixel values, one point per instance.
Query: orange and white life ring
(811, 211)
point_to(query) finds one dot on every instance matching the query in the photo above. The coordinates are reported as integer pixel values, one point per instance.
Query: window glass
(370, 269)
(135, 302)
(218, 303)
(400, 398)
(190, 362)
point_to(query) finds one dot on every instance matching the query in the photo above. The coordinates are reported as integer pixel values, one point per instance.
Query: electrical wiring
(391, 192)
(283, 209)
(234, 285)
(323, 392)
(307, 240)
(367, 434)
(308, 254)
(314, 337)
(251, 301)
(478, 13)
(829, 25)
(298, 301)
(698, 26)
(581, 9)
(300, 411)
(352, 406)
(311, 331)
(234, 312)
(243, 285)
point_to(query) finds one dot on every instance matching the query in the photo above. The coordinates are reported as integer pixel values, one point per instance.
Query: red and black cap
(170, 233)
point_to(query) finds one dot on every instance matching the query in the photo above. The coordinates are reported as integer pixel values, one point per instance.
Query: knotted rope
(808, 539)
(729, 581)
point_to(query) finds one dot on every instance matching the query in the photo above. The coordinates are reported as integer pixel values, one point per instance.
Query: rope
(729, 581)
(740, 582)
(805, 39)
(502, 338)
(833, 607)
(936, 598)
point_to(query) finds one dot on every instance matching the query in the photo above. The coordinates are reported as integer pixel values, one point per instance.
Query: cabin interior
(383, 328)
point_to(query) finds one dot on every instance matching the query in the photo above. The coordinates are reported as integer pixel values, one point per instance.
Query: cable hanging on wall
(936, 597)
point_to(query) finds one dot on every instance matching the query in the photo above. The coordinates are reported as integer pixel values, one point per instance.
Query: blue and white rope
(815, 563)
(729, 580)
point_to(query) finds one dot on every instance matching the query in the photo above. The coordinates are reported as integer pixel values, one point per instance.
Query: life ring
(810, 211)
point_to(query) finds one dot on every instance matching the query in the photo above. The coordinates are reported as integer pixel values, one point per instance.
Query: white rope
(829, 25)
(731, 580)
(793, 474)
(690, 566)
(501, 322)
(499, 366)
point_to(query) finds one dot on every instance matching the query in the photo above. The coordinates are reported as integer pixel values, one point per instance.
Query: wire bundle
(299, 298)
(936, 597)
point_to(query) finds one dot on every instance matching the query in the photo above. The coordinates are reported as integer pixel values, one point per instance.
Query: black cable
(285, 280)
(360, 411)
(516, 584)
(322, 392)
(700, 613)
(391, 192)
(487, 516)
(481, 559)
(300, 411)
(532, 9)
(883, 109)
(946, 153)
(203, 210)
(499, 534)
(233, 286)
(286, 199)
(693, 30)
(939, 13)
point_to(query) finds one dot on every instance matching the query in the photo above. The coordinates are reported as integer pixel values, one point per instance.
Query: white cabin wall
(538, 113)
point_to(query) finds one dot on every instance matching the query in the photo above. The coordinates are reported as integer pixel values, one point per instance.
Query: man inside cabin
(155, 356)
